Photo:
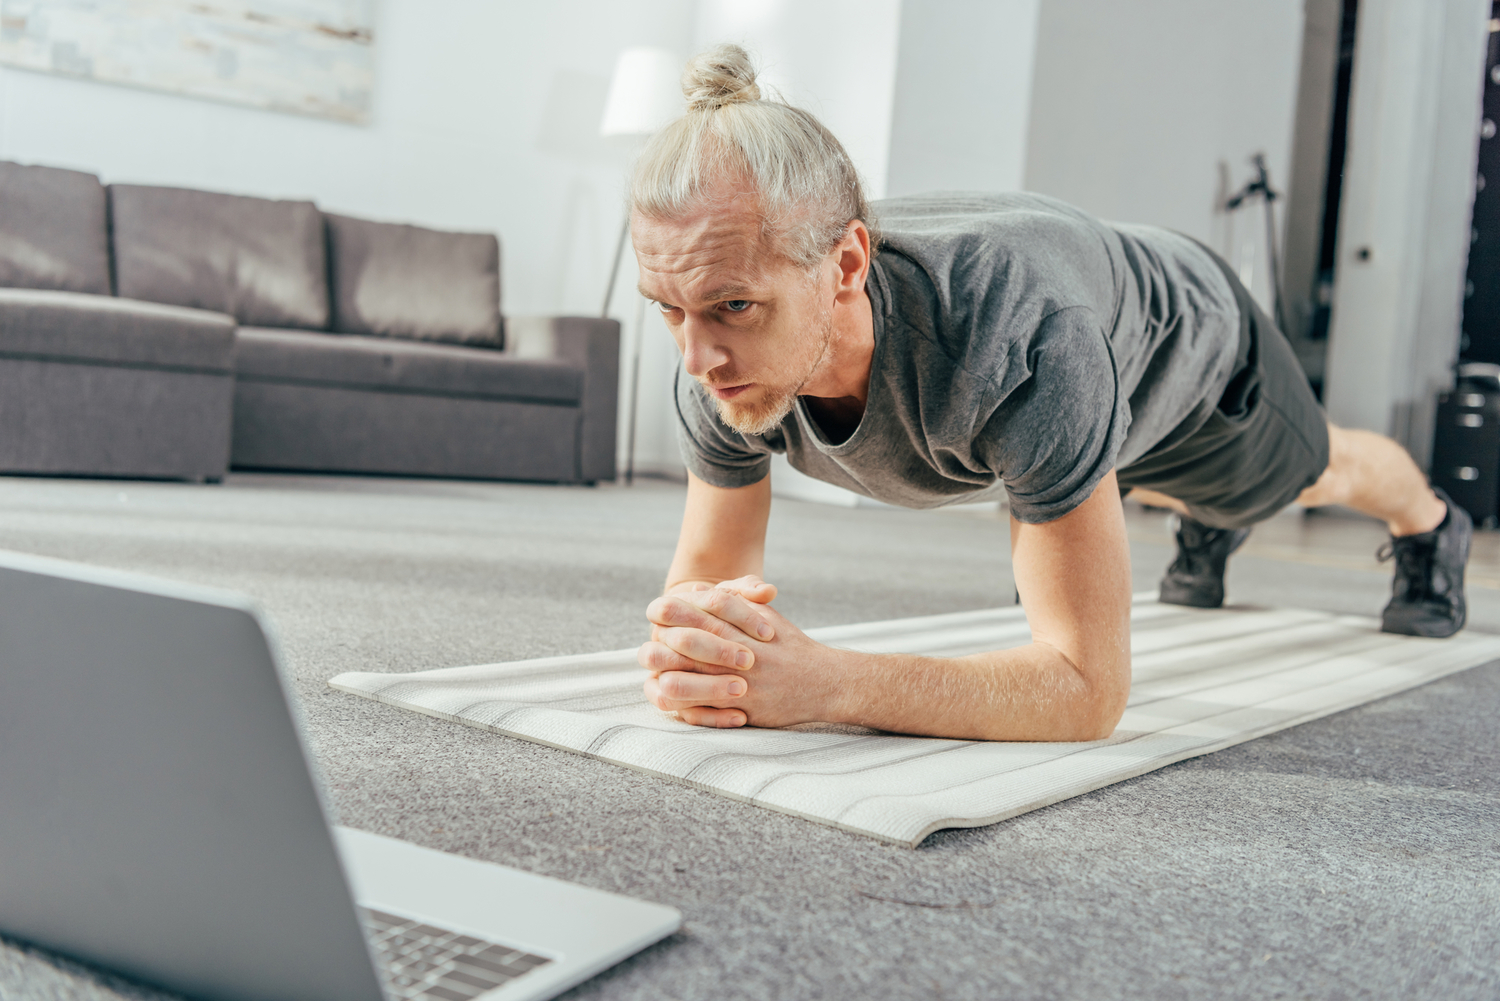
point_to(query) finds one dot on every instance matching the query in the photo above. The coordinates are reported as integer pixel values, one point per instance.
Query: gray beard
(758, 424)
(776, 410)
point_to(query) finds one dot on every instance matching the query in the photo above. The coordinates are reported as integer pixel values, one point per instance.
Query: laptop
(160, 817)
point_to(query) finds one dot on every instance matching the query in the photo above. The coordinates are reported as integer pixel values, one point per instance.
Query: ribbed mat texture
(1203, 680)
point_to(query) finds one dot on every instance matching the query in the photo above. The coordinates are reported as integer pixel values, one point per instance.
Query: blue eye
(737, 305)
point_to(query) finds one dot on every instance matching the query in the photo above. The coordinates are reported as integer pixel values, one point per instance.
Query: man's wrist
(848, 694)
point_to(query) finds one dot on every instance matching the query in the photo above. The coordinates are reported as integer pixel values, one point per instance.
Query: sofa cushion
(392, 280)
(261, 261)
(406, 366)
(54, 230)
(73, 326)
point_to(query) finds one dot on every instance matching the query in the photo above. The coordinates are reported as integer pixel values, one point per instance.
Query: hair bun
(718, 76)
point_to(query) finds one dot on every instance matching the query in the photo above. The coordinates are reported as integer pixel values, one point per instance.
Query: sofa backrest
(259, 260)
(54, 232)
(393, 280)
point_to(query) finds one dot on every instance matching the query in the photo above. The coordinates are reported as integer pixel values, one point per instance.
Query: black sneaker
(1427, 596)
(1196, 577)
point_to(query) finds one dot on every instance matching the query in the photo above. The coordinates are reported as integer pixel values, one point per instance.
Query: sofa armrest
(590, 344)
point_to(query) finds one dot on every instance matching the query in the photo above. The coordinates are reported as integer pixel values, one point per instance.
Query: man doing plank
(997, 345)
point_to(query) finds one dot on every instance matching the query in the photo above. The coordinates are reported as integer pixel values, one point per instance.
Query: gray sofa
(89, 383)
(149, 331)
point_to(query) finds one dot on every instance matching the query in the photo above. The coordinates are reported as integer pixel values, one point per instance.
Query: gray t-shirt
(1020, 345)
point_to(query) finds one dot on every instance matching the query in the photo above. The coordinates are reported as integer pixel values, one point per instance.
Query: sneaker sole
(1191, 597)
(1440, 631)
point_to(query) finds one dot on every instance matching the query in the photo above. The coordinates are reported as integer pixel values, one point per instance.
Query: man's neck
(845, 370)
(836, 394)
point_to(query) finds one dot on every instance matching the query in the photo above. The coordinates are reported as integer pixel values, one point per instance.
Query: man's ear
(853, 257)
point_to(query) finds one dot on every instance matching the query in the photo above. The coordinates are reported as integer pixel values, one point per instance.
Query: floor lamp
(644, 94)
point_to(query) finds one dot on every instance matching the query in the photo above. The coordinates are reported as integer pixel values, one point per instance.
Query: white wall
(963, 95)
(1148, 112)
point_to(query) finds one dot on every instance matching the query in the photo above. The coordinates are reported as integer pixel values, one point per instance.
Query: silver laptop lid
(157, 814)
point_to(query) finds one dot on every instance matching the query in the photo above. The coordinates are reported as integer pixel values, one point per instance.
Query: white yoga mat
(1203, 680)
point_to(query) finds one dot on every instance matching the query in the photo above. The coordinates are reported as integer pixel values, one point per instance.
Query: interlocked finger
(728, 605)
(708, 716)
(678, 690)
(657, 657)
(705, 648)
(688, 688)
(716, 610)
(681, 610)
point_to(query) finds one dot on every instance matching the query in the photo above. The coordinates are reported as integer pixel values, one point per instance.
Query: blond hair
(808, 188)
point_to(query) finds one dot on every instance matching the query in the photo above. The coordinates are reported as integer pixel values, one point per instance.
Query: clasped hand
(722, 656)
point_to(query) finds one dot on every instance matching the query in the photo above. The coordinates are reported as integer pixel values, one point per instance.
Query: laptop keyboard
(421, 961)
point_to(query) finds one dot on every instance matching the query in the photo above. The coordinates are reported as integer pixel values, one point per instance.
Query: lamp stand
(635, 349)
(635, 386)
(614, 269)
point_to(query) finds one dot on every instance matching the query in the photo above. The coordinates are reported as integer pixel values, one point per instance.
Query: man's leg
(1429, 534)
(1267, 440)
(1374, 475)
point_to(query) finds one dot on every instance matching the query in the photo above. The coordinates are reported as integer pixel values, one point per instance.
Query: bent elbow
(1103, 705)
(1100, 728)
(1096, 722)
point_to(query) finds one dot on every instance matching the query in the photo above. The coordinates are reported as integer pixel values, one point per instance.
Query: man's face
(752, 326)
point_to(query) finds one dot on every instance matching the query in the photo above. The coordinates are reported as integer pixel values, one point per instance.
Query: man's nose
(700, 355)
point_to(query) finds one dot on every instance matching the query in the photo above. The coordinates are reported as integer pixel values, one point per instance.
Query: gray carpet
(1354, 857)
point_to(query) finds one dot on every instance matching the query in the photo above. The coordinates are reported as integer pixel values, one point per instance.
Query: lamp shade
(644, 94)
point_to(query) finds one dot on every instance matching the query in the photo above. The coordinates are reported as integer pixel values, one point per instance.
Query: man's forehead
(669, 242)
(721, 243)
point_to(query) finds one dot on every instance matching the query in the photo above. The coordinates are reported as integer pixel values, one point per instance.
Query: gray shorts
(1263, 444)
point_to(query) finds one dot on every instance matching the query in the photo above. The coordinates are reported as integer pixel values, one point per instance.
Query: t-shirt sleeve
(712, 451)
(1057, 432)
